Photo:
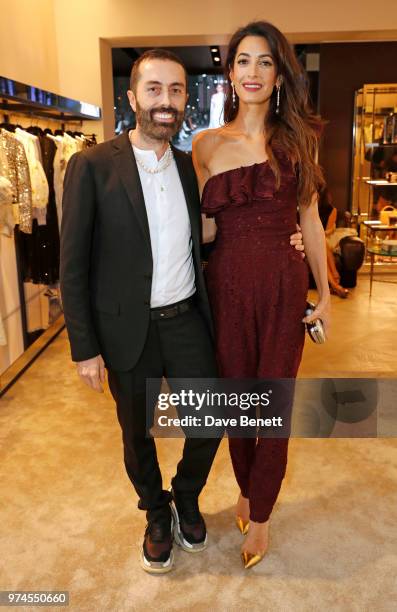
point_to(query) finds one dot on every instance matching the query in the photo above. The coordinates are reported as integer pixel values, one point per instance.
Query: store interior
(69, 509)
(364, 191)
(49, 128)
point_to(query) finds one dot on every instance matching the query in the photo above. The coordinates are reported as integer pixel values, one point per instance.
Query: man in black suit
(133, 292)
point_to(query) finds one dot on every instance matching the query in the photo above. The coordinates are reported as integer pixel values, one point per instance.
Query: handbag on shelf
(388, 214)
(315, 329)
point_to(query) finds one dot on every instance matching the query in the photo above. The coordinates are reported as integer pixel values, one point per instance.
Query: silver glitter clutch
(315, 329)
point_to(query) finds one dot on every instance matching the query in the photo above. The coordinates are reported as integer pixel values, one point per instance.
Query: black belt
(172, 310)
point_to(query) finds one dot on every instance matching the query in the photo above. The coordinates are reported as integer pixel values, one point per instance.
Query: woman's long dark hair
(295, 129)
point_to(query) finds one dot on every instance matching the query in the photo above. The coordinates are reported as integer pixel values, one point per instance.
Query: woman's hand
(322, 311)
(296, 241)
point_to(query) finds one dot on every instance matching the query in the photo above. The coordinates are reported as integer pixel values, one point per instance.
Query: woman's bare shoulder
(207, 141)
(205, 138)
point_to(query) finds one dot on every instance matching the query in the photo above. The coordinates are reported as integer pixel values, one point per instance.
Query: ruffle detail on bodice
(237, 187)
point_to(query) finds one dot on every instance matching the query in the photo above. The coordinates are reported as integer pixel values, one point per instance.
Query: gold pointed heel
(242, 525)
(251, 559)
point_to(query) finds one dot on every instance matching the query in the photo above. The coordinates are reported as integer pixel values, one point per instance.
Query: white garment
(3, 337)
(38, 178)
(79, 143)
(6, 213)
(334, 239)
(216, 109)
(170, 232)
(66, 146)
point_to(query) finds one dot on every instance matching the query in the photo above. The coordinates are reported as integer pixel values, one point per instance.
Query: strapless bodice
(246, 203)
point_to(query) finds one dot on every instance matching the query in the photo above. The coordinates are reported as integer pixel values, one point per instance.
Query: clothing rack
(20, 102)
(30, 111)
(68, 122)
(35, 113)
(23, 98)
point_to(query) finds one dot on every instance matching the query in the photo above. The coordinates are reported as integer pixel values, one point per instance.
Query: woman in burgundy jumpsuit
(257, 282)
(257, 285)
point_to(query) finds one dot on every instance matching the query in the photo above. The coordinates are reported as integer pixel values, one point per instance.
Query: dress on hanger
(38, 178)
(6, 215)
(14, 167)
(40, 250)
(79, 143)
(66, 146)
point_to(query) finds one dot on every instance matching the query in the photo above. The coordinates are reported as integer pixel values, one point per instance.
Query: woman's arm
(199, 156)
(314, 240)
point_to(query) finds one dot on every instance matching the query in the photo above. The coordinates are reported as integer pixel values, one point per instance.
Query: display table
(373, 252)
(372, 227)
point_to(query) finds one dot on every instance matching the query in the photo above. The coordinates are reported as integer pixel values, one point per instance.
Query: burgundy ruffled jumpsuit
(257, 285)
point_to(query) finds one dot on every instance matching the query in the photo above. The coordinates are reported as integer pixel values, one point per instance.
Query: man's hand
(92, 372)
(296, 241)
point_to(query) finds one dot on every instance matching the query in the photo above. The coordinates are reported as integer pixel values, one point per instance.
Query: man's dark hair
(160, 54)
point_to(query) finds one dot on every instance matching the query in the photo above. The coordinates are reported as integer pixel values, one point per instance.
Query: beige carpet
(69, 518)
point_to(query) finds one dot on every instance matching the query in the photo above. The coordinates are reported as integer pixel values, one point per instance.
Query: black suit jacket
(106, 258)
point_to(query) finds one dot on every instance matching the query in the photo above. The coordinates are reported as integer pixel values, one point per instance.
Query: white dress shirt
(170, 232)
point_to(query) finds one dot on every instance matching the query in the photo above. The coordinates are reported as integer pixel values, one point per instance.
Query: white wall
(28, 48)
(54, 44)
(80, 24)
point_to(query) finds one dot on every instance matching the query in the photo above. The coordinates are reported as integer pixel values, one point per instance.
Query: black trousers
(176, 347)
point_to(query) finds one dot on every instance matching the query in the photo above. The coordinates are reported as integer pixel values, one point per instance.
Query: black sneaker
(157, 556)
(190, 532)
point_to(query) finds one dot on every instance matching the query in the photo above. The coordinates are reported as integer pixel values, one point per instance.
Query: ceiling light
(214, 49)
(217, 59)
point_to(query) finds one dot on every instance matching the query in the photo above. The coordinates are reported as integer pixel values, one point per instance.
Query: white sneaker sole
(157, 567)
(178, 535)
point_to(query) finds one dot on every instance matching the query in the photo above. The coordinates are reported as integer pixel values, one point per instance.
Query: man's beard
(155, 129)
